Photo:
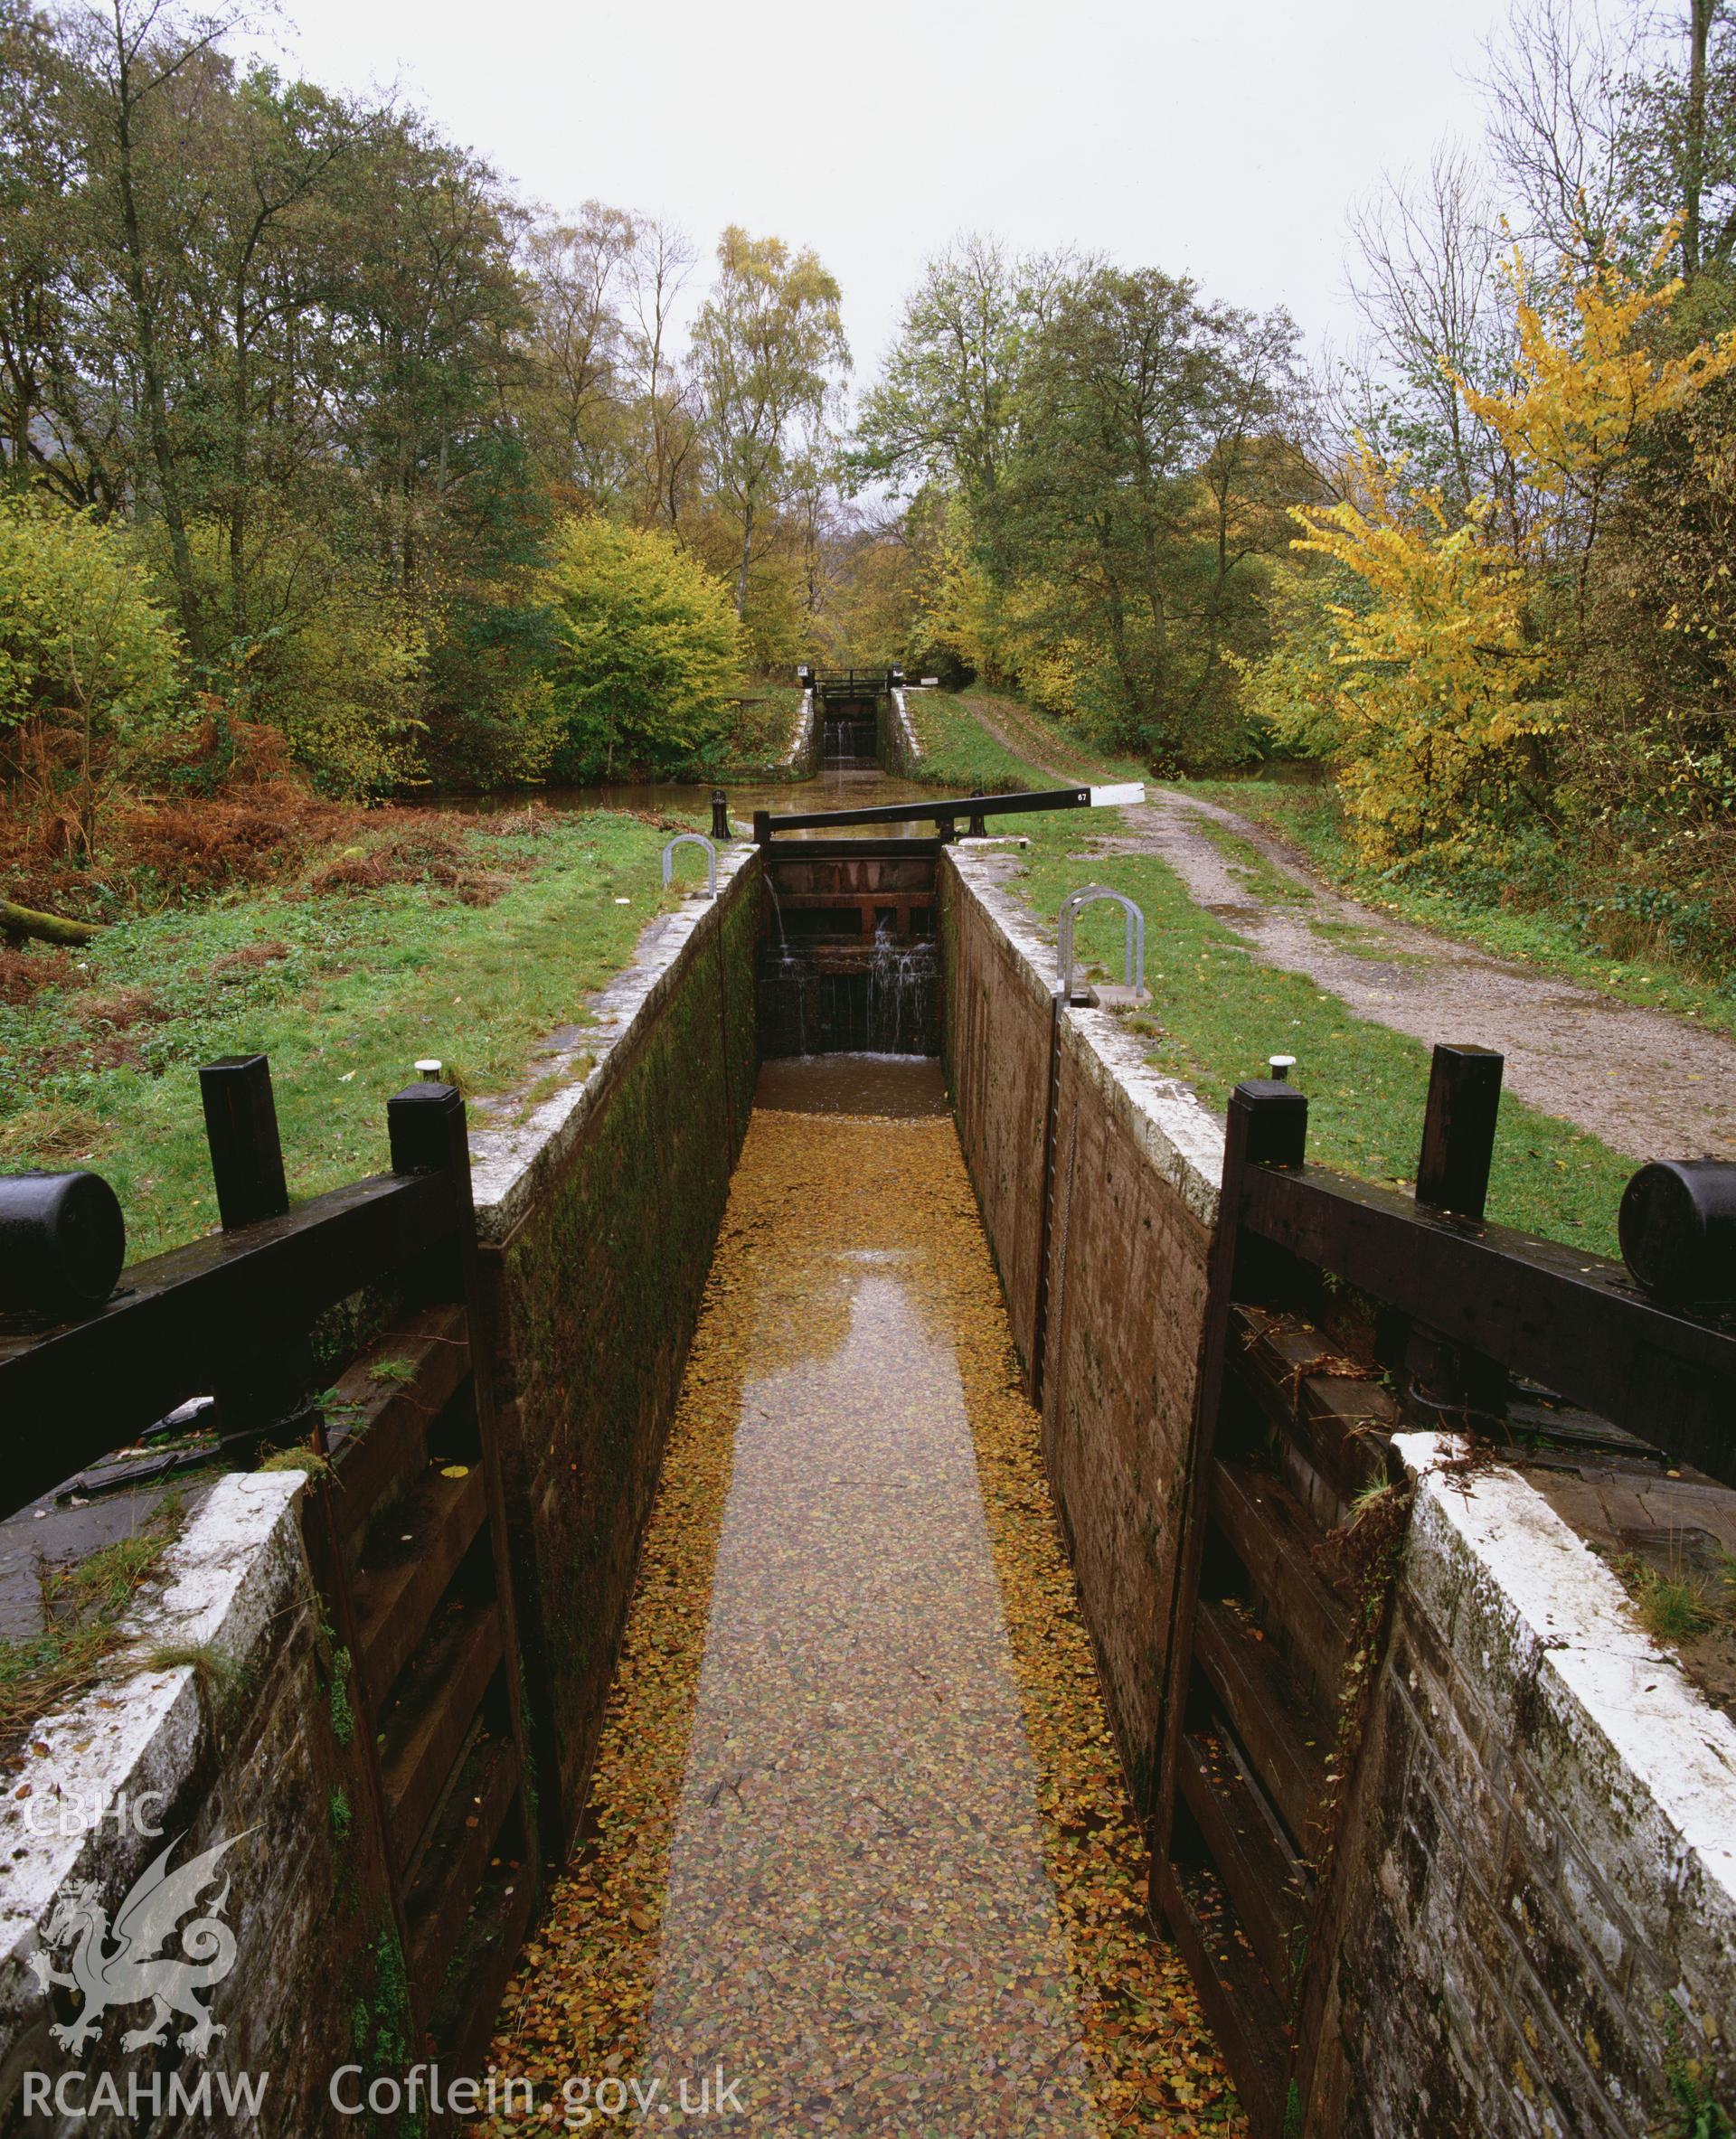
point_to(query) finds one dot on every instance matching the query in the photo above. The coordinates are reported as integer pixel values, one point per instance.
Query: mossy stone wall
(1123, 1260)
(596, 1293)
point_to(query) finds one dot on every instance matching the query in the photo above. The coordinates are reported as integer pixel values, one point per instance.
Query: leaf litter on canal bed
(579, 2002)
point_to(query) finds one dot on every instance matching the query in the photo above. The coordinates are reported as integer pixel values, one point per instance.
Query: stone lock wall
(1137, 1162)
(248, 1743)
(1531, 1921)
(899, 750)
(1535, 1926)
(802, 760)
(599, 1216)
(601, 1206)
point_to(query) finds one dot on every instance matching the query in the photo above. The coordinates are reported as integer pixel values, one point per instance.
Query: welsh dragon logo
(127, 1965)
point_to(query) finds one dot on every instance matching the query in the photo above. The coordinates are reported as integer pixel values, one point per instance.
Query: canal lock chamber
(847, 962)
(851, 713)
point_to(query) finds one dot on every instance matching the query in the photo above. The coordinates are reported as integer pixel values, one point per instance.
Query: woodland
(334, 473)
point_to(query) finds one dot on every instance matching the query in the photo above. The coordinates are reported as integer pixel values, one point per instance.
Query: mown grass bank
(953, 729)
(1217, 1012)
(761, 735)
(424, 936)
(1307, 813)
(959, 751)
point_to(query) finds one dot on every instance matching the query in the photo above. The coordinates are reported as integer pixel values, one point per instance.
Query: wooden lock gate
(1338, 1314)
(403, 1521)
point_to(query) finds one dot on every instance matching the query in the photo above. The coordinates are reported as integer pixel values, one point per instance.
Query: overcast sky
(1224, 143)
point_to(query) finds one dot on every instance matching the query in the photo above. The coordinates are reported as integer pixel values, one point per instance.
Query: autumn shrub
(415, 852)
(186, 849)
(1419, 681)
(329, 654)
(1531, 694)
(647, 652)
(25, 972)
(90, 679)
(947, 665)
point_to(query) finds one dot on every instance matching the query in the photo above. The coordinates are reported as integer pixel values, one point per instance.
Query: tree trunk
(150, 358)
(746, 554)
(238, 466)
(46, 927)
(1694, 144)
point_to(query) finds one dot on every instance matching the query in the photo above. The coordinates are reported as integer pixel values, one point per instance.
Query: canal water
(858, 1846)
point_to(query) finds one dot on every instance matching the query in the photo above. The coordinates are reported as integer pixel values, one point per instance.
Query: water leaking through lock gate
(847, 958)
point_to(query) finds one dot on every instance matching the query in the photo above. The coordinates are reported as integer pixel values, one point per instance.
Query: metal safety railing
(1134, 950)
(690, 839)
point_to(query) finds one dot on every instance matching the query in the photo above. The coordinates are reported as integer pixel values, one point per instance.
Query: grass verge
(1218, 1014)
(85, 1607)
(1057, 750)
(981, 737)
(959, 751)
(437, 936)
(1308, 815)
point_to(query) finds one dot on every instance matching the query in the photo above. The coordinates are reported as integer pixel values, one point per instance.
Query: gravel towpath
(1645, 1083)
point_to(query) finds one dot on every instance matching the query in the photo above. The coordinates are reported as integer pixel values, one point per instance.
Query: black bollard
(242, 1133)
(1446, 1381)
(1677, 1228)
(720, 814)
(63, 1242)
(270, 1401)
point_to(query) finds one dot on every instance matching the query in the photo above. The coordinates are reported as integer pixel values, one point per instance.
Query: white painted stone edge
(138, 1731)
(911, 748)
(804, 732)
(1564, 1617)
(1179, 1134)
(509, 1160)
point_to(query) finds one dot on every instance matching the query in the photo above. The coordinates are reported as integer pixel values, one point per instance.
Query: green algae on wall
(598, 1291)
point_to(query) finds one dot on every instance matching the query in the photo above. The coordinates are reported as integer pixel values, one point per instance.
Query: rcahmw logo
(115, 1966)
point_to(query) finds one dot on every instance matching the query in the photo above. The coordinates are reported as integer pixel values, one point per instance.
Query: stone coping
(909, 749)
(510, 1161)
(804, 740)
(1527, 1604)
(137, 1732)
(1179, 1134)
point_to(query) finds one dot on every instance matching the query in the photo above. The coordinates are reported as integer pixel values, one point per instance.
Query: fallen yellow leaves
(815, 1199)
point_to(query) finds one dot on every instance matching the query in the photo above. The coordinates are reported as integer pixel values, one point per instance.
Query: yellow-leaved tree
(1416, 676)
(957, 604)
(1587, 376)
(1429, 658)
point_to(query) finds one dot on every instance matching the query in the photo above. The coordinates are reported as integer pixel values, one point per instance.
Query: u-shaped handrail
(1134, 951)
(690, 839)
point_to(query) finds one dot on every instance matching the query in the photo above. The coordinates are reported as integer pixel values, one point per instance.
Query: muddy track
(1647, 1084)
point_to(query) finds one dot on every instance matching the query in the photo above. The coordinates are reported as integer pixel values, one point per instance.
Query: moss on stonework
(602, 1287)
(343, 1716)
(382, 2032)
(1694, 2114)
(527, 1718)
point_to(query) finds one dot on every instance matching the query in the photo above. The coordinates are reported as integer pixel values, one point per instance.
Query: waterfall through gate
(847, 958)
(901, 987)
